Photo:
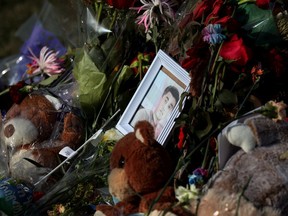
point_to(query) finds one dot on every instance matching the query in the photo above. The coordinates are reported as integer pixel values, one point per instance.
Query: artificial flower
(121, 4)
(256, 71)
(198, 177)
(185, 195)
(235, 50)
(274, 110)
(47, 63)
(280, 110)
(212, 34)
(150, 16)
(141, 63)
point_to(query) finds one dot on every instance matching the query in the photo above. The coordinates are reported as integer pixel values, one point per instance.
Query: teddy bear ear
(144, 132)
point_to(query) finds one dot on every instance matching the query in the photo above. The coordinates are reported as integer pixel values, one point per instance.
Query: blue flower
(195, 179)
(212, 34)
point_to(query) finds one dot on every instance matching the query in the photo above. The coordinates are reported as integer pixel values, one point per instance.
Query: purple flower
(39, 38)
(198, 177)
(200, 171)
(212, 34)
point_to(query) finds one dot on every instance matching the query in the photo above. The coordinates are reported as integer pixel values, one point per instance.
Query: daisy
(154, 10)
(48, 62)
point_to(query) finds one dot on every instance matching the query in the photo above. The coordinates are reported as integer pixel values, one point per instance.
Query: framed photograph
(157, 97)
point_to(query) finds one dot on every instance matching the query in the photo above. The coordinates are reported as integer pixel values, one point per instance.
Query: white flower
(48, 62)
(185, 195)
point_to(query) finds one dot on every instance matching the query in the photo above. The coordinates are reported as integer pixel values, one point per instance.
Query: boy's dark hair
(173, 90)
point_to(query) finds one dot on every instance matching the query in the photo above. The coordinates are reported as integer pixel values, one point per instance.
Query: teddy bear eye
(121, 162)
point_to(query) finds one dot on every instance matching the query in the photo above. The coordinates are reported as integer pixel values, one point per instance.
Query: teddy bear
(139, 171)
(34, 131)
(254, 180)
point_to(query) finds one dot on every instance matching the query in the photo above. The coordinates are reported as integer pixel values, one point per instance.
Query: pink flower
(48, 63)
(151, 9)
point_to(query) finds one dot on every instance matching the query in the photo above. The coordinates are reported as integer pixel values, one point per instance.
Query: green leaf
(91, 81)
(259, 24)
(49, 80)
(227, 97)
(113, 50)
(183, 96)
(124, 75)
(204, 118)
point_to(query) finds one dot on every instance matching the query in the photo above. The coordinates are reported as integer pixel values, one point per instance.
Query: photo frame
(156, 97)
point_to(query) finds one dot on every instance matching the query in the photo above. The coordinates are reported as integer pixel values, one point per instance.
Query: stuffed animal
(253, 182)
(34, 132)
(140, 168)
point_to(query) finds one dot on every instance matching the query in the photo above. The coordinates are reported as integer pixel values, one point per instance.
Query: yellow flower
(112, 135)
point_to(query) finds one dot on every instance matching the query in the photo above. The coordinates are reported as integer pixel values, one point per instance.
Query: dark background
(13, 13)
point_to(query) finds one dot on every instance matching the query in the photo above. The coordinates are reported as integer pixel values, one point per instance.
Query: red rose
(231, 24)
(237, 51)
(264, 4)
(217, 6)
(202, 8)
(121, 4)
(196, 64)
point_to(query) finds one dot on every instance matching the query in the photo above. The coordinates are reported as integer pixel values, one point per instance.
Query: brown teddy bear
(35, 131)
(252, 183)
(140, 168)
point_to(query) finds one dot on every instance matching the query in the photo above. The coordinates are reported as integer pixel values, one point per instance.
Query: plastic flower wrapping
(81, 62)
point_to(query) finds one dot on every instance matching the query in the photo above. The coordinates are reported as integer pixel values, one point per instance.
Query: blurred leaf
(91, 81)
(49, 80)
(124, 75)
(259, 24)
(227, 97)
(97, 56)
(113, 49)
(204, 119)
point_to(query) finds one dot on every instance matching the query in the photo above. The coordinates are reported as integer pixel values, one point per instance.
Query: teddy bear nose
(9, 130)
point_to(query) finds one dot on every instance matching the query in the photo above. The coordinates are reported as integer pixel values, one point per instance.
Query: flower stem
(246, 97)
(99, 10)
(4, 92)
(112, 22)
